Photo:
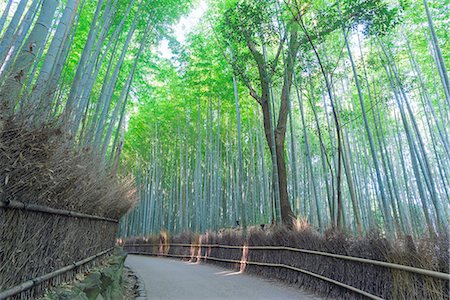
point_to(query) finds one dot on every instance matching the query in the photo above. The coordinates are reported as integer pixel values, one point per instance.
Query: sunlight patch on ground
(223, 273)
(244, 259)
(233, 273)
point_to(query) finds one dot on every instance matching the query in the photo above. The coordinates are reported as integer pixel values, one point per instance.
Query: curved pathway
(174, 279)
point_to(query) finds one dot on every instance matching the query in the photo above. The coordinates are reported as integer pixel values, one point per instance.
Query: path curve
(174, 279)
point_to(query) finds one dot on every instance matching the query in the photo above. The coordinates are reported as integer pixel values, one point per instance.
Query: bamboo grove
(70, 65)
(334, 113)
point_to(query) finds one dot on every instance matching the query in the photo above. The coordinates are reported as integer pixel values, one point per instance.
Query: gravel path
(174, 279)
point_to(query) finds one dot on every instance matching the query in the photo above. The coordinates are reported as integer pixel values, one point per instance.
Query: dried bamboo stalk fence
(420, 271)
(241, 262)
(35, 281)
(42, 247)
(347, 276)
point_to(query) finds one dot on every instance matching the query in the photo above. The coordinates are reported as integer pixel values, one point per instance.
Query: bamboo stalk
(48, 210)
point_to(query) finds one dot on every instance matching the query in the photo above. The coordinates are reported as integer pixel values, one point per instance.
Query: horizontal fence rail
(349, 287)
(35, 281)
(410, 269)
(7, 204)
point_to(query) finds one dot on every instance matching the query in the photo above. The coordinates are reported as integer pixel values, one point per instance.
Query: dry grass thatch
(39, 166)
(380, 281)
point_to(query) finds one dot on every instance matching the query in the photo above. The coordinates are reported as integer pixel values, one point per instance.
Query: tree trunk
(276, 140)
(280, 132)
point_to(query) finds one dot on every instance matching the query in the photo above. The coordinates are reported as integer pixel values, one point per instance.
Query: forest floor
(174, 279)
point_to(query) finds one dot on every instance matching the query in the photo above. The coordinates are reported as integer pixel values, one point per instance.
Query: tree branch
(277, 56)
(236, 70)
